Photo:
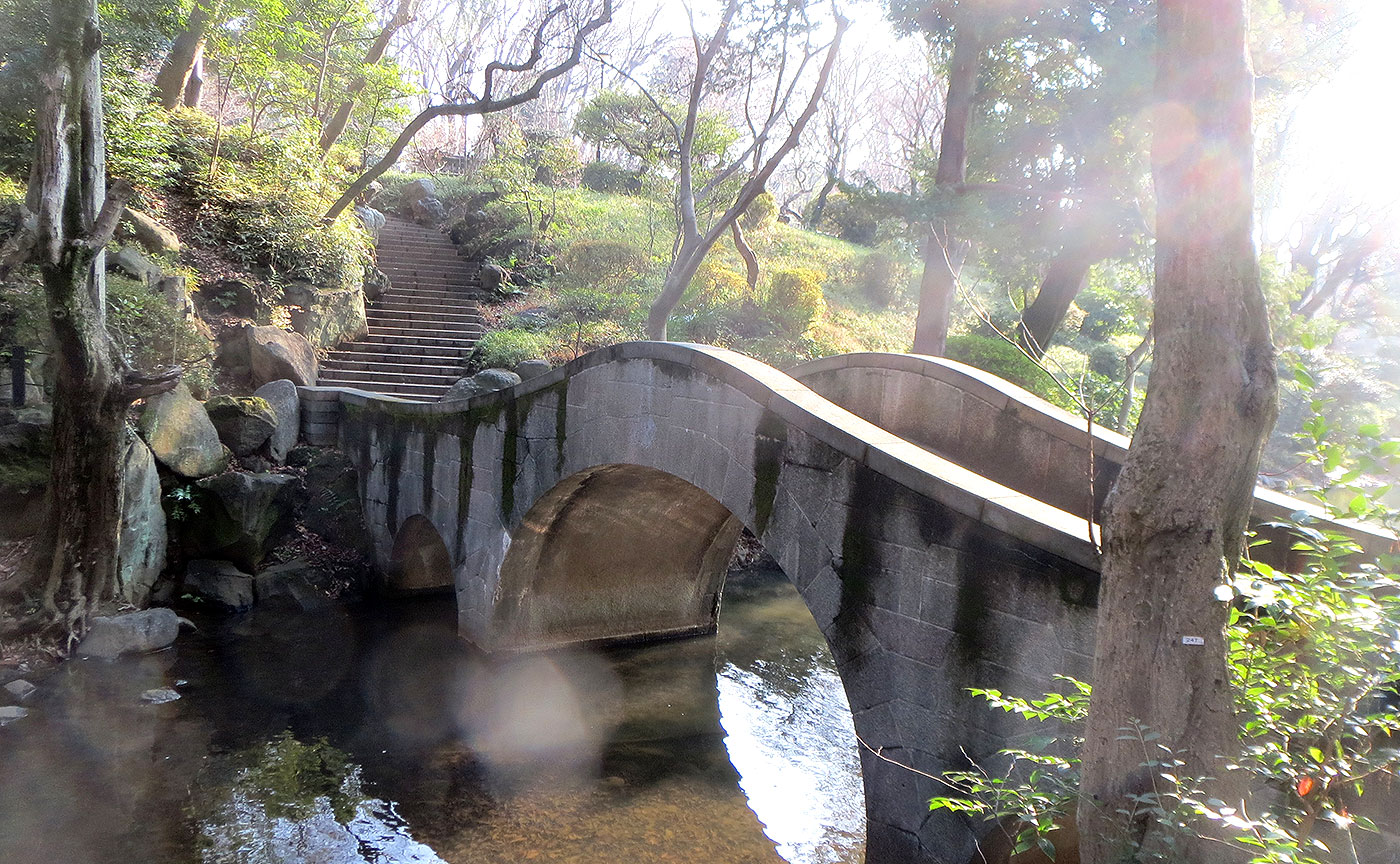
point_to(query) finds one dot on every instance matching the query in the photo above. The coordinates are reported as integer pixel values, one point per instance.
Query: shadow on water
(373, 734)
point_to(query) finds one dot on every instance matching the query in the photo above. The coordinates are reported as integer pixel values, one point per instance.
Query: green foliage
(504, 349)
(761, 214)
(603, 176)
(607, 264)
(629, 122)
(716, 284)
(262, 203)
(554, 159)
(1005, 360)
(850, 216)
(794, 298)
(139, 133)
(151, 334)
(1314, 657)
(885, 274)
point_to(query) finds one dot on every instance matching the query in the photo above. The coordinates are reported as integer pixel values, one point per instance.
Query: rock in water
(11, 713)
(244, 422)
(245, 516)
(160, 695)
(220, 583)
(274, 354)
(132, 633)
(20, 689)
(286, 407)
(177, 427)
(141, 547)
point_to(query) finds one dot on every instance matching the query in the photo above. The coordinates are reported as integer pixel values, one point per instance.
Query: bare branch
(109, 216)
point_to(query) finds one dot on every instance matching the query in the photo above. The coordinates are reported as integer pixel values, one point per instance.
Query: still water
(371, 734)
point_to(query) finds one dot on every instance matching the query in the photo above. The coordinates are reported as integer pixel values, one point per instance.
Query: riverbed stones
(281, 397)
(528, 369)
(160, 695)
(20, 689)
(244, 422)
(11, 713)
(245, 516)
(141, 546)
(219, 583)
(295, 583)
(179, 432)
(142, 632)
(274, 354)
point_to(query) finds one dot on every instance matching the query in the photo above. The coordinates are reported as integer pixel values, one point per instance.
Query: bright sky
(1347, 134)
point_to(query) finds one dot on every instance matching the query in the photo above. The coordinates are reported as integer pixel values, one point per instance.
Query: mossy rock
(244, 423)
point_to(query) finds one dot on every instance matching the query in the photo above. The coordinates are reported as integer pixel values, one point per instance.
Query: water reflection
(374, 735)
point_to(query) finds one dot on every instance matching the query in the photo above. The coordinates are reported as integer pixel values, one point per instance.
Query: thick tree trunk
(1175, 520)
(73, 223)
(741, 244)
(1064, 279)
(341, 118)
(174, 75)
(944, 253)
(194, 87)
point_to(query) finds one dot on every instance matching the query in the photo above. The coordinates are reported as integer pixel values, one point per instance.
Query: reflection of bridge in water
(601, 503)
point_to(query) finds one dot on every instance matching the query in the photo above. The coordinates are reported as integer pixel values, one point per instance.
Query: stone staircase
(420, 330)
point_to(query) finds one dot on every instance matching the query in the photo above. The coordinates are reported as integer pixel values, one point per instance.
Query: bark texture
(944, 251)
(173, 78)
(1175, 520)
(73, 220)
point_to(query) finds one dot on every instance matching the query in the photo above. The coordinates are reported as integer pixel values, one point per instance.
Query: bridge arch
(419, 560)
(924, 577)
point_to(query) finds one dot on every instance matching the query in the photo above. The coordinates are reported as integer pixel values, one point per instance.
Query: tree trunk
(174, 73)
(341, 118)
(750, 259)
(1175, 520)
(194, 87)
(73, 223)
(820, 207)
(1064, 279)
(944, 253)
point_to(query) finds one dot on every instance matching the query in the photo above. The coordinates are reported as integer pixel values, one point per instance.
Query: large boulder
(133, 633)
(149, 233)
(244, 422)
(274, 354)
(129, 260)
(177, 428)
(295, 583)
(282, 397)
(332, 504)
(528, 369)
(141, 546)
(243, 517)
(219, 583)
(376, 283)
(372, 219)
(485, 381)
(493, 278)
(429, 211)
(414, 192)
(327, 317)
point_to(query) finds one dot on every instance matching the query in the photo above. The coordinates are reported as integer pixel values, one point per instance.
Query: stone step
(466, 312)
(422, 321)
(430, 295)
(419, 338)
(450, 358)
(388, 377)
(416, 392)
(389, 363)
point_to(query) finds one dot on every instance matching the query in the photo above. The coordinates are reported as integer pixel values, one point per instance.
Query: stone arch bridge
(936, 526)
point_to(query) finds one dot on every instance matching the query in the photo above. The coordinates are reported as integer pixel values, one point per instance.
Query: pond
(370, 733)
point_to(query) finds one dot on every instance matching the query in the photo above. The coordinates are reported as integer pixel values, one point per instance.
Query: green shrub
(503, 349)
(716, 285)
(554, 159)
(850, 217)
(883, 275)
(150, 333)
(610, 177)
(794, 299)
(761, 214)
(138, 131)
(1004, 360)
(603, 263)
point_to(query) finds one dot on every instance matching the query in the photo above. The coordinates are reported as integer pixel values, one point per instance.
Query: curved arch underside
(615, 553)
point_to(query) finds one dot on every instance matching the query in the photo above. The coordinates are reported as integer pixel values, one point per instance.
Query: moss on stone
(770, 439)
